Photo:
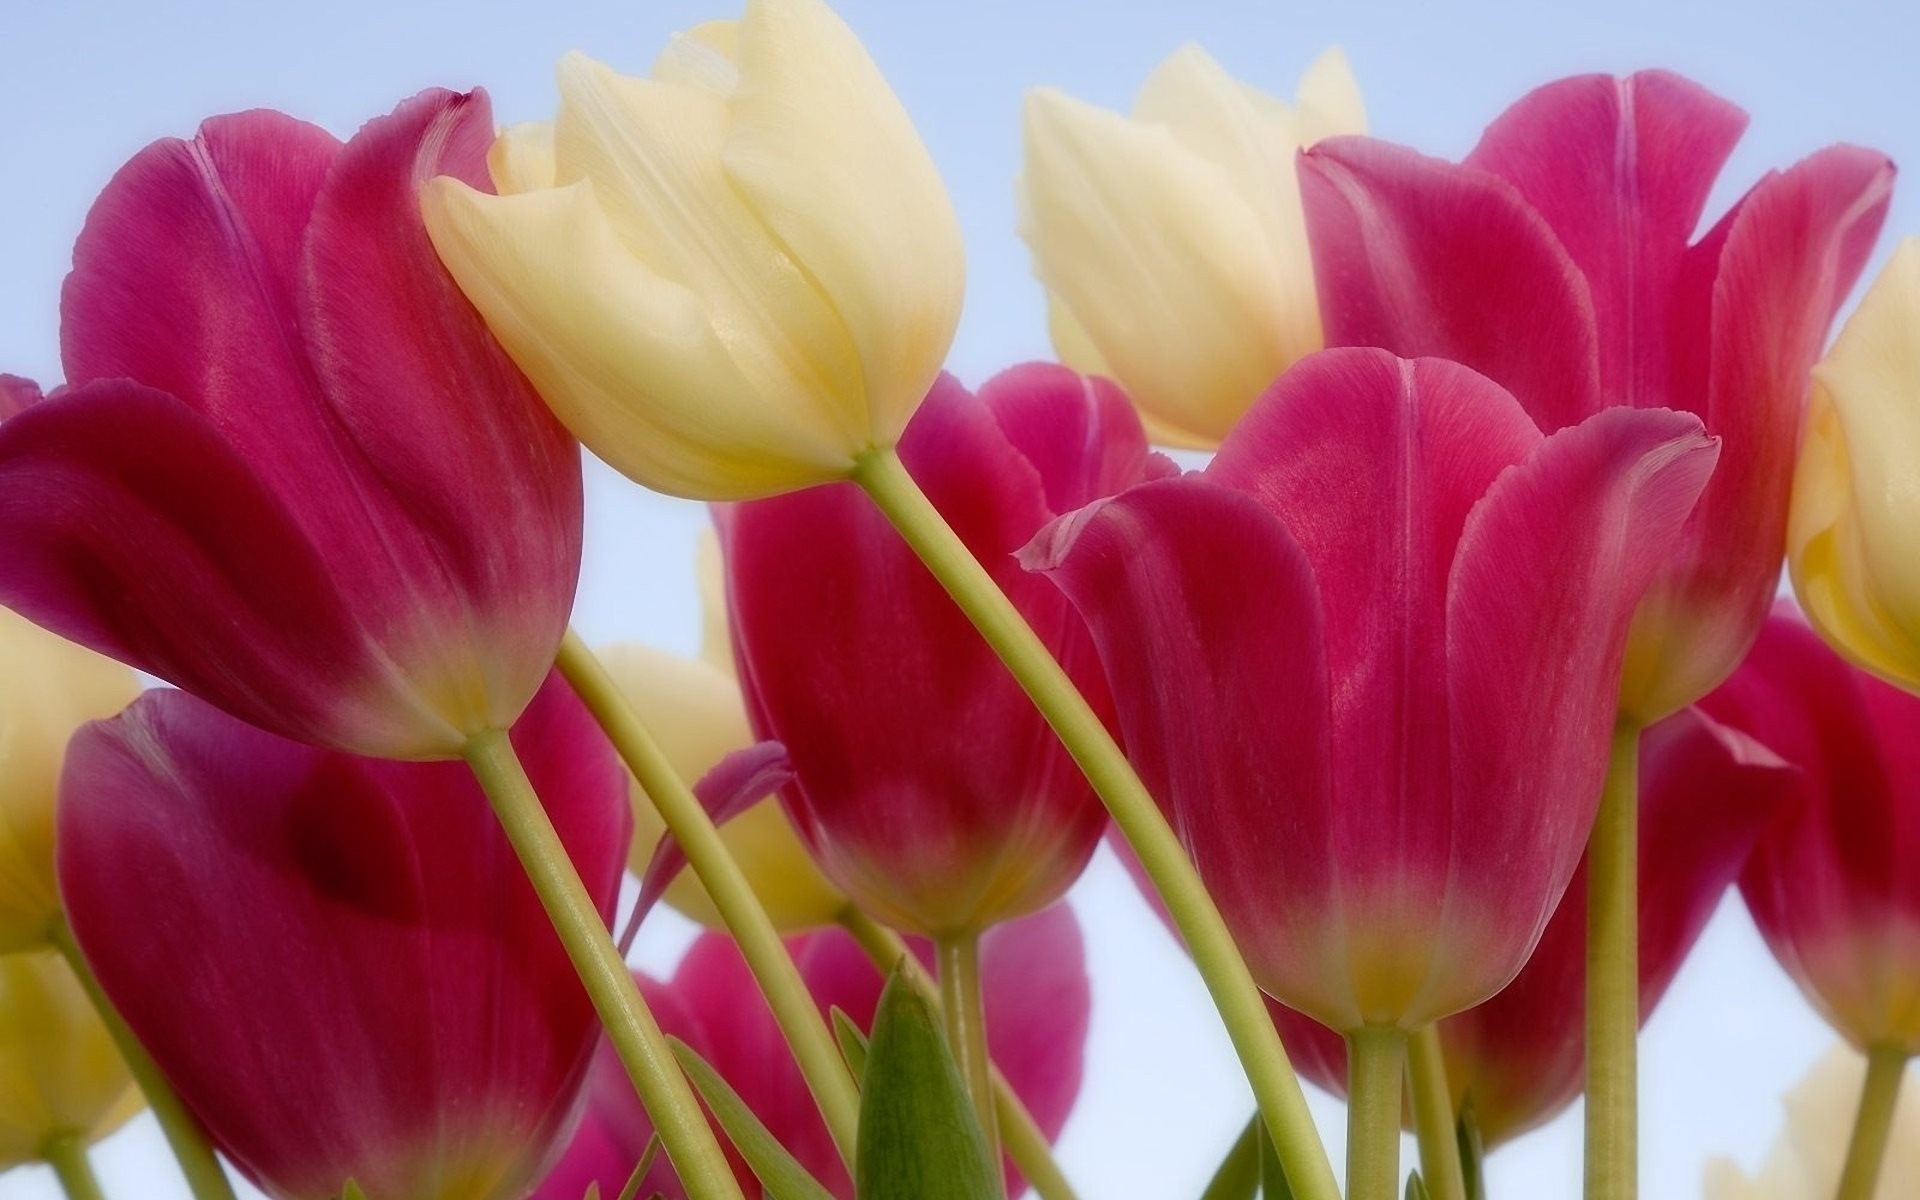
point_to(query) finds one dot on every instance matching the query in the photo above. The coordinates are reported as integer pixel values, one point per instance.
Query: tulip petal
(1551, 565)
(823, 152)
(135, 529)
(16, 395)
(728, 790)
(337, 962)
(1424, 257)
(1080, 434)
(60, 1073)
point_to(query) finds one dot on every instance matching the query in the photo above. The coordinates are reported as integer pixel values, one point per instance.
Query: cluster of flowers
(1435, 714)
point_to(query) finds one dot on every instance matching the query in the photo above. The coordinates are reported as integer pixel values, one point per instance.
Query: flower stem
(1373, 1113)
(806, 1030)
(1242, 1009)
(669, 1100)
(1026, 1143)
(1433, 1117)
(1873, 1124)
(1613, 977)
(68, 1158)
(204, 1176)
(963, 1007)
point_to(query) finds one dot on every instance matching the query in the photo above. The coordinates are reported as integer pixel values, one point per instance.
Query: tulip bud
(1172, 243)
(734, 277)
(60, 1075)
(1807, 1156)
(1856, 495)
(48, 689)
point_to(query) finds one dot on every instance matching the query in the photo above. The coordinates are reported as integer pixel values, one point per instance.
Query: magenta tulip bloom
(1368, 658)
(1834, 883)
(292, 472)
(929, 788)
(1706, 791)
(1037, 1000)
(1556, 260)
(341, 969)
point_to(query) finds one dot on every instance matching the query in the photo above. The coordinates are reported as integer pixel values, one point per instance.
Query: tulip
(1856, 496)
(1516, 1060)
(696, 711)
(928, 788)
(62, 1084)
(293, 474)
(1556, 260)
(48, 689)
(336, 964)
(1806, 1159)
(732, 278)
(1172, 243)
(1037, 995)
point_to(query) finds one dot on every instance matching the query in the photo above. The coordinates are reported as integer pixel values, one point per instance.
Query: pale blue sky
(87, 83)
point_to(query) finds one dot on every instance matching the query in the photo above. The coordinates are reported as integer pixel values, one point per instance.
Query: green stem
(1373, 1113)
(1026, 1143)
(68, 1158)
(1613, 977)
(663, 1090)
(1242, 1008)
(204, 1176)
(1873, 1124)
(1433, 1117)
(963, 1008)
(807, 1031)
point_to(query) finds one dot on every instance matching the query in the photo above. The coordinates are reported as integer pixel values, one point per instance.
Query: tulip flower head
(337, 964)
(1038, 1004)
(60, 1076)
(731, 278)
(1368, 660)
(1856, 497)
(1517, 264)
(48, 689)
(292, 472)
(928, 787)
(1172, 242)
(1831, 883)
(1808, 1154)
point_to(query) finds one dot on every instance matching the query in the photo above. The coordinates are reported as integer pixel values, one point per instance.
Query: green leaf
(853, 1043)
(1473, 1154)
(641, 1168)
(778, 1171)
(1273, 1177)
(1238, 1175)
(918, 1136)
(593, 1192)
(1417, 1187)
(352, 1192)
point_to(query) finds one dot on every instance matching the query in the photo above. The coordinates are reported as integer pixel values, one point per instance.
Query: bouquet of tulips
(1434, 713)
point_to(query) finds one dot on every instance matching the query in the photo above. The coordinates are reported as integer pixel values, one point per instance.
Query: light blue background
(83, 85)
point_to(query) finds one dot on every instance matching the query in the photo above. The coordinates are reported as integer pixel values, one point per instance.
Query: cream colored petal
(825, 154)
(59, 1071)
(652, 151)
(49, 687)
(521, 158)
(716, 629)
(1167, 270)
(702, 57)
(1852, 544)
(1328, 99)
(698, 716)
(626, 358)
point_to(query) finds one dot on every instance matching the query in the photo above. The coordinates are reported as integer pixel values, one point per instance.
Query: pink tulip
(1834, 883)
(293, 473)
(1705, 793)
(1557, 261)
(338, 966)
(929, 788)
(1037, 1000)
(1368, 659)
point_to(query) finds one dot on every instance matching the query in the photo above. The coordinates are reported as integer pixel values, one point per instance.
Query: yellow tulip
(695, 709)
(730, 279)
(1172, 244)
(60, 1076)
(1853, 539)
(1806, 1159)
(48, 688)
